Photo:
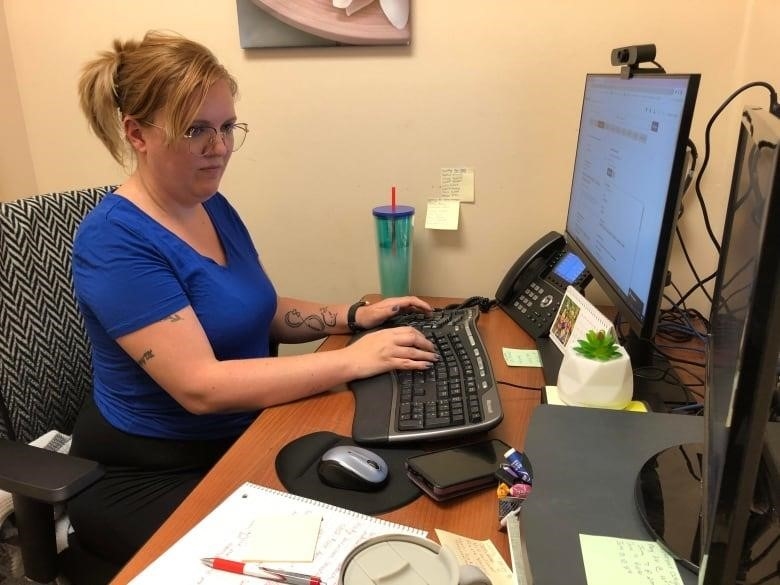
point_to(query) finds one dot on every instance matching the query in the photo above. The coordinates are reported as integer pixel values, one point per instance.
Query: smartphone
(452, 472)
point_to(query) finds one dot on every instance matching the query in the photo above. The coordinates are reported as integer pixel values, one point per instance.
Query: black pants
(145, 480)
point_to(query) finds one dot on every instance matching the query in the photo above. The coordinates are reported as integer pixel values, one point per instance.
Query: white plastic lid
(397, 559)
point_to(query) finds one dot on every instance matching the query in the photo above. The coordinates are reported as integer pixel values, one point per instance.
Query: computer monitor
(709, 504)
(626, 190)
(744, 345)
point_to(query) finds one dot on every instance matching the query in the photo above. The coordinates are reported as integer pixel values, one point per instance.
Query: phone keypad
(537, 304)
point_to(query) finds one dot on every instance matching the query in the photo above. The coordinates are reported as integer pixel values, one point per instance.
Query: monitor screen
(726, 525)
(626, 186)
(742, 356)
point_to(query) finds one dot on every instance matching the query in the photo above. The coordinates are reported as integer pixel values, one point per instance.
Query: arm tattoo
(326, 318)
(147, 355)
(145, 358)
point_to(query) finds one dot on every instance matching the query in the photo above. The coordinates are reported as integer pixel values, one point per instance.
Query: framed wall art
(318, 23)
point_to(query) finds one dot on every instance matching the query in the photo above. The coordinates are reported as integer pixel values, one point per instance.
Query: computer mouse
(350, 467)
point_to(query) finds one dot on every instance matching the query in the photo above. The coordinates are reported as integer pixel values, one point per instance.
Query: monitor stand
(655, 381)
(669, 498)
(668, 493)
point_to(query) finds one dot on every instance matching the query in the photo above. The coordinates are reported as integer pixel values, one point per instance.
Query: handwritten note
(528, 358)
(480, 553)
(457, 183)
(628, 562)
(442, 214)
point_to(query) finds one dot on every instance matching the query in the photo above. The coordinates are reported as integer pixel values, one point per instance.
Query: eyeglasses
(201, 139)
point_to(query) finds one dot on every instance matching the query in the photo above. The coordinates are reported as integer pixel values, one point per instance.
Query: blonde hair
(164, 72)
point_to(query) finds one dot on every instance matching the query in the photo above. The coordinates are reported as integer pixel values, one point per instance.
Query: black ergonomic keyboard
(458, 396)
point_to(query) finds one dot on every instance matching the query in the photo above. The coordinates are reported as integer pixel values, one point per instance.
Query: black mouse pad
(296, 466)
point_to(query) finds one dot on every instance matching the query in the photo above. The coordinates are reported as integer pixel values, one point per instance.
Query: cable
(665, 375)
(689, 464)
(484, 303)
(519, 386)
(699, 380)
(662, 348)
(773, 107)
(678, 360)
(677, 324)
(669, 375)
(765, 578)
(689, 175)
(699, 282)
(698, 285)
(678, 304)
(686, 186)
(767, 549)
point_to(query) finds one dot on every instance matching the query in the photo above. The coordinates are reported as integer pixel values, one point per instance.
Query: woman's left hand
(374, 314)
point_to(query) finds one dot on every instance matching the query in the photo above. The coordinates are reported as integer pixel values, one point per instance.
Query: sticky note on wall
(457, 183)
(442, 214)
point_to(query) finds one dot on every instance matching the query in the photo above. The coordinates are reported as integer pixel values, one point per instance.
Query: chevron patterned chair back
(45, 369)
(45, 362)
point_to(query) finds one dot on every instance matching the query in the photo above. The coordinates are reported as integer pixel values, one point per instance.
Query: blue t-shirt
(129, 272)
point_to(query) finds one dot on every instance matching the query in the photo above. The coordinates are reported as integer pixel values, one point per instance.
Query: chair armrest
(43, 475)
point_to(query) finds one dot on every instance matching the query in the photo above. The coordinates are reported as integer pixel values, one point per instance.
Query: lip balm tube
(516, 463)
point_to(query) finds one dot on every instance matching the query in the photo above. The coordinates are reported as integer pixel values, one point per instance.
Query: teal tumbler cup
(394, 238)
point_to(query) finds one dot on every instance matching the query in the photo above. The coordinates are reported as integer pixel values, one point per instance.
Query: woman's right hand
(394, 348)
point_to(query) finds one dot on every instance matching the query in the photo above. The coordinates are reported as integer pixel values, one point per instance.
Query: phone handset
(533, 288)
(529, 265)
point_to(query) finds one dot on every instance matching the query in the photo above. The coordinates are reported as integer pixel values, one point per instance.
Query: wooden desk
(252, 457)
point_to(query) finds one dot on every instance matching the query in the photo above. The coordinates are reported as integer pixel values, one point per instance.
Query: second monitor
(627, 183)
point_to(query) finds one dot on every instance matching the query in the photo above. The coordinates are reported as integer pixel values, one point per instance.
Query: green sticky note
(528, 358)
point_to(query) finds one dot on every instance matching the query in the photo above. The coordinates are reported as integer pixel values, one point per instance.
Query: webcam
(629, 58)
(633, 55)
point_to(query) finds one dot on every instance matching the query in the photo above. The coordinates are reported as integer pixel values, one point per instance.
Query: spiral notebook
(226, 531)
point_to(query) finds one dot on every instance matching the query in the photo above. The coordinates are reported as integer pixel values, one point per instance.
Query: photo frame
(323, 23)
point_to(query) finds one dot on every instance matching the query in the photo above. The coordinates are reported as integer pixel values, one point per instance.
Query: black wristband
(351, 323)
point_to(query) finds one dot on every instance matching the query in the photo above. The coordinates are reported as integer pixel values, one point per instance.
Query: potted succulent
(596, 372)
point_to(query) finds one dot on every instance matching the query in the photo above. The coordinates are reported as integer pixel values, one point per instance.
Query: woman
(179, 311)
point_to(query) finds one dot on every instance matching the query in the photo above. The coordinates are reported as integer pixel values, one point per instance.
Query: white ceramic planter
(586, 382)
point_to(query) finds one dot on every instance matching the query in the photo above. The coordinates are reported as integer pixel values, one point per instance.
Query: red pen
(255, 570)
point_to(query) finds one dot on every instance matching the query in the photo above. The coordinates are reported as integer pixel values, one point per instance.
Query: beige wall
(16, 165)
(495, 85)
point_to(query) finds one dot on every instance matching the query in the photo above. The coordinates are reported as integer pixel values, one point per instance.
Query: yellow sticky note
(554, 398)
(457, 183)
(289, 538)
(521, 357)
(442, 214)
(626, 561)
(636, 406)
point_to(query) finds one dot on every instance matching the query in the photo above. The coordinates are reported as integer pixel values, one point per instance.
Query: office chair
(45, 373)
